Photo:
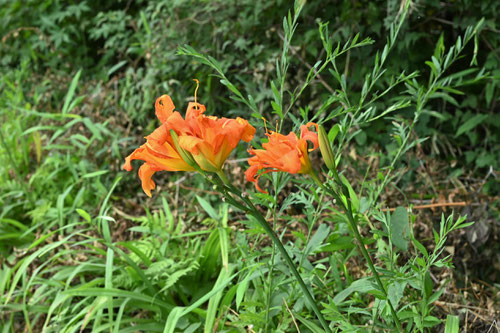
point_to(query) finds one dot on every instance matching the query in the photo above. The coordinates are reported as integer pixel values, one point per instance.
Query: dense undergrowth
(409, 90)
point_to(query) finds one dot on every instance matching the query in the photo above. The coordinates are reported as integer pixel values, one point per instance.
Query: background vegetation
(83, 249)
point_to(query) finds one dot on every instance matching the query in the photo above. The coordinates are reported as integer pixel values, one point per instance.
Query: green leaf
(178, 312)
(352, 194)
(471, 123)
(84, 214)
(119, 293)
(395, 292)
(488, 95)
(336, 243)
(71, 91)
(277, 109)
(231, 87)
(452, 324)
(400, 228)
(431, 321)
(213, 303)
(116, 67)
(420, 248)
(334, 131)
(309, 324)
(208, 208)
(95, 174)
(108, 283)
(317, 239)
(242, 288)
(361, 286)
(439, 50)
(428, 285)
(445, 97)
(435, 296)
(145, 23)
(224, 242)
(172, 319)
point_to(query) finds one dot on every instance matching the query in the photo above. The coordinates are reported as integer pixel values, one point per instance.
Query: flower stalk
(250, 209)
(326, 151)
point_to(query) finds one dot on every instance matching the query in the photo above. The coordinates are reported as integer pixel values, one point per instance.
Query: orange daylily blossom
(208, 139)
(282, 153)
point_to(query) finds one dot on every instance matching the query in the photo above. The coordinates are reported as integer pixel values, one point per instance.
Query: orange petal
(146, 171)
(194, 110)
(157, 160)
(178, 124)
(164, 108)
(248, 131)
(289, 162)
(251, 176)
(306, 134)
(135, 155)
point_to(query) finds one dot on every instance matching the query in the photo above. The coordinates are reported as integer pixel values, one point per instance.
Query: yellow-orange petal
(190, 143)
(248, 131)
(164, 107)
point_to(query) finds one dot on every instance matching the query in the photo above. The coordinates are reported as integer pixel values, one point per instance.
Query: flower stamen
(265, 124)
(195, 93)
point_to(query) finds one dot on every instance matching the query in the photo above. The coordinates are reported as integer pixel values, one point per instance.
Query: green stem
(270, 286)
(252, 210)
(357, 235)
(272, 263)
(361, 246)
(223, 177)
(277, 242)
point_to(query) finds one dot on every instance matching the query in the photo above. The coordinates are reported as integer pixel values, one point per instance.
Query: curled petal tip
(164, 107)
(145, 173)
(126, 166)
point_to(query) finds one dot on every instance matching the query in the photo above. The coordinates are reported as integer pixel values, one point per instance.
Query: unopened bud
(326, 148)
(185, 155)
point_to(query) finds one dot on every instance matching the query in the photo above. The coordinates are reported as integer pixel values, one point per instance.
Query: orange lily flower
(282, 153)
(208, 139)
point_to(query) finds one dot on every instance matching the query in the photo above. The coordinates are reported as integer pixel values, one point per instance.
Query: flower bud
(326, 148)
